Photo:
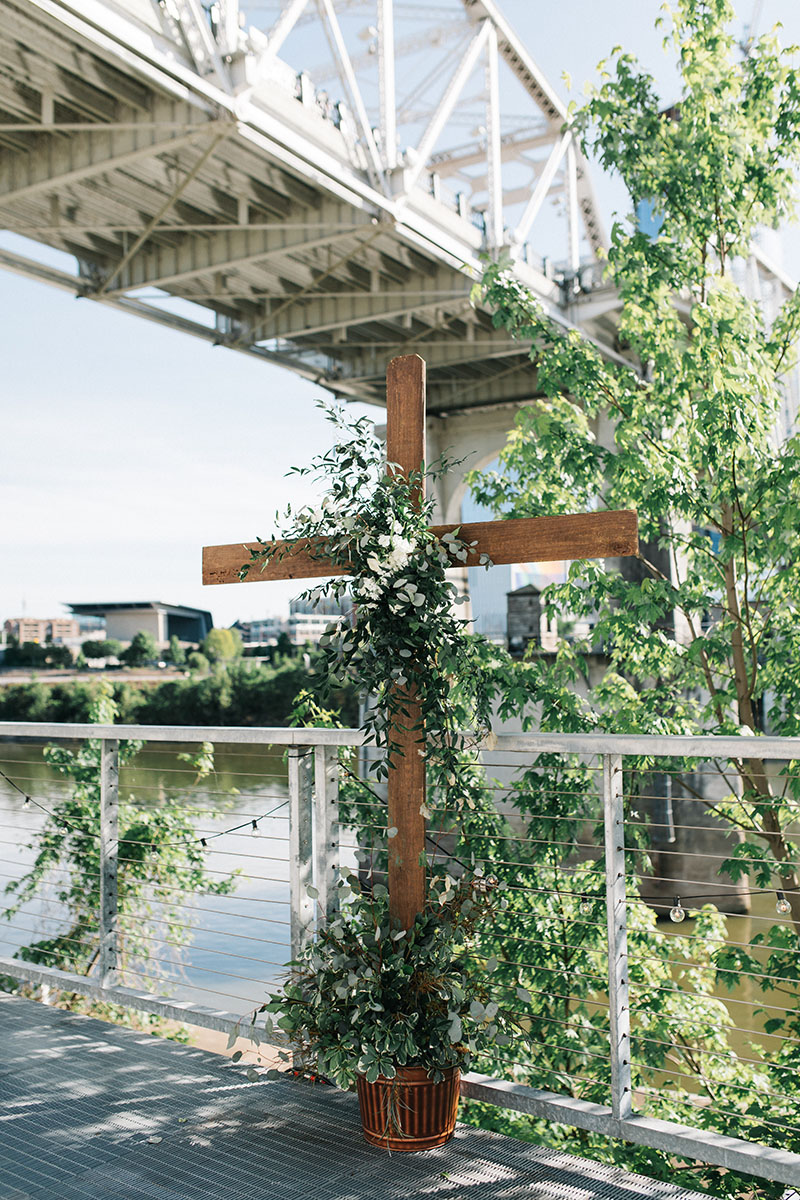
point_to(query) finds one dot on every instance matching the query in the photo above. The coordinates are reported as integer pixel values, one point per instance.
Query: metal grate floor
(81, 1101)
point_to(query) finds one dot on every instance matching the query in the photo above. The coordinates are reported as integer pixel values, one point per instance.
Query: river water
(240, 942)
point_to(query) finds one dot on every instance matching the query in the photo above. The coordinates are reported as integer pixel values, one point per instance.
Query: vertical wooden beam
(405, 447)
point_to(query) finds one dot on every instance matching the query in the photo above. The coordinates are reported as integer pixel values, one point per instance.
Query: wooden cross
(536, 539)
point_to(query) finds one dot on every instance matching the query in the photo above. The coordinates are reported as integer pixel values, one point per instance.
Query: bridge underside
(243, 221)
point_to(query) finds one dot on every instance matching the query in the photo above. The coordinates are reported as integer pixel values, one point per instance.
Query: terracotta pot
(409, 1112)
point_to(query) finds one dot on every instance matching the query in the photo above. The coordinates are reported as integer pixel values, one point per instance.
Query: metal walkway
(90, 1111)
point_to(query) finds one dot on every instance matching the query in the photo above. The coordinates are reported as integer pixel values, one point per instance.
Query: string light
(66, 825)
(586, 904)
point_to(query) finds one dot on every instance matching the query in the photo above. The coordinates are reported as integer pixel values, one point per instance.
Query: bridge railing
(179, 888)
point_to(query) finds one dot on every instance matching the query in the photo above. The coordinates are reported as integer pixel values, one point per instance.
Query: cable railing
(654, 995)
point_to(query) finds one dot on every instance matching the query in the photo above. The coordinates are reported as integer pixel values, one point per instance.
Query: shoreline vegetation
(238, 692)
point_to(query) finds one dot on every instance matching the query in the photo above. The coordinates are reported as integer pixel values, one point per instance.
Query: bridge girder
(166, 153)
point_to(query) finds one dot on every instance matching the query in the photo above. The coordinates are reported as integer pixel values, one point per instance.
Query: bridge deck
(91, 1111)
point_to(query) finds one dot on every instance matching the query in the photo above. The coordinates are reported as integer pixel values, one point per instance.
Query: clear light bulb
(782, 905)
(677, 913)
(586, 907)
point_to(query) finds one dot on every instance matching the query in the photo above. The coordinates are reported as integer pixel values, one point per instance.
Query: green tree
(704, 635)
(142, 650)
(97, 648)
(219, 645)
(177, 653)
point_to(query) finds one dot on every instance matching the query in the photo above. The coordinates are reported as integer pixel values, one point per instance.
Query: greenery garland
(404, 644)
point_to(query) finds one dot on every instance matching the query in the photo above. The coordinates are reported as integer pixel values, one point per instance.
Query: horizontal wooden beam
(528, 539)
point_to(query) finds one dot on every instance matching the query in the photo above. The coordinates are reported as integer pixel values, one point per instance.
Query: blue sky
(126, 447)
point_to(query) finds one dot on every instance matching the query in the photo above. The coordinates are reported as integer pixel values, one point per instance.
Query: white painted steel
(301, 848)
(591, 744)
(764, 1162)
(109, 854)
(313, 855)
(617, 923)
(386, 82)
(326, 829)
(181, 55)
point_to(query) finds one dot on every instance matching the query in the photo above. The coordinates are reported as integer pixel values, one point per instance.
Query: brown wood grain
(528, 539)
(405, 412)
(405, 446)
(406, 795)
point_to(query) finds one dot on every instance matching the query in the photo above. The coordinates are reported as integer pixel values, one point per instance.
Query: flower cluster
(404, 645)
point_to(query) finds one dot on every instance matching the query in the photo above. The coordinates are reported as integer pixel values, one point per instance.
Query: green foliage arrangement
(159, 856)
(703, 635)
(404, 644)
(364, 999)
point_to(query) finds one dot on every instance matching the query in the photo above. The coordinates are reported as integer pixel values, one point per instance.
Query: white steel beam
(259, 330)
(326, 315)
(539, 194)
(163, 210)
(228, 26)
(386, 82)
(519, 60)
(283, 27)
(200, 42)
(446, 106)
(512, 146)
(494, 163)
(573, 215)
(58, 164)
(170, 266)
(333, 28)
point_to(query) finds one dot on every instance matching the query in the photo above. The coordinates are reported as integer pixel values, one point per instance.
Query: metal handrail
(314, 846)
(661, 745)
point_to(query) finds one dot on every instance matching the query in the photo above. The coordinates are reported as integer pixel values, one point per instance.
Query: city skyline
(128, 447)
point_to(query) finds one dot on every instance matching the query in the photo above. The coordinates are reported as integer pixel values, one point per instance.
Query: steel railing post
(301, 848)
(326, 828)
(109, 853)
(616, 912)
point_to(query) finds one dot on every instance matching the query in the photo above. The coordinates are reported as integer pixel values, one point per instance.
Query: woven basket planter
(409, 1112)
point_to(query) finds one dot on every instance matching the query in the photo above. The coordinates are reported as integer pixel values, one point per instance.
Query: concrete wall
(124, 624)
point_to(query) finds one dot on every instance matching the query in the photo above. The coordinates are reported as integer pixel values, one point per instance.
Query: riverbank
(239, 692)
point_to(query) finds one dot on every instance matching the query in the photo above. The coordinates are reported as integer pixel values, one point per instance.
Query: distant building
(527, 622)
(124, 619)
(261, 633)
(60, 631)
(307, 621)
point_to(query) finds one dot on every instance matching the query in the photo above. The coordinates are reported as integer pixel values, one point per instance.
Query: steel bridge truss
(200, 181)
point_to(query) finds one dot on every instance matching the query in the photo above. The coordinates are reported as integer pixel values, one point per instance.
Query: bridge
(317, 189)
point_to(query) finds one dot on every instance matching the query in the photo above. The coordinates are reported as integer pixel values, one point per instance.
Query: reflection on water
(239, 942)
